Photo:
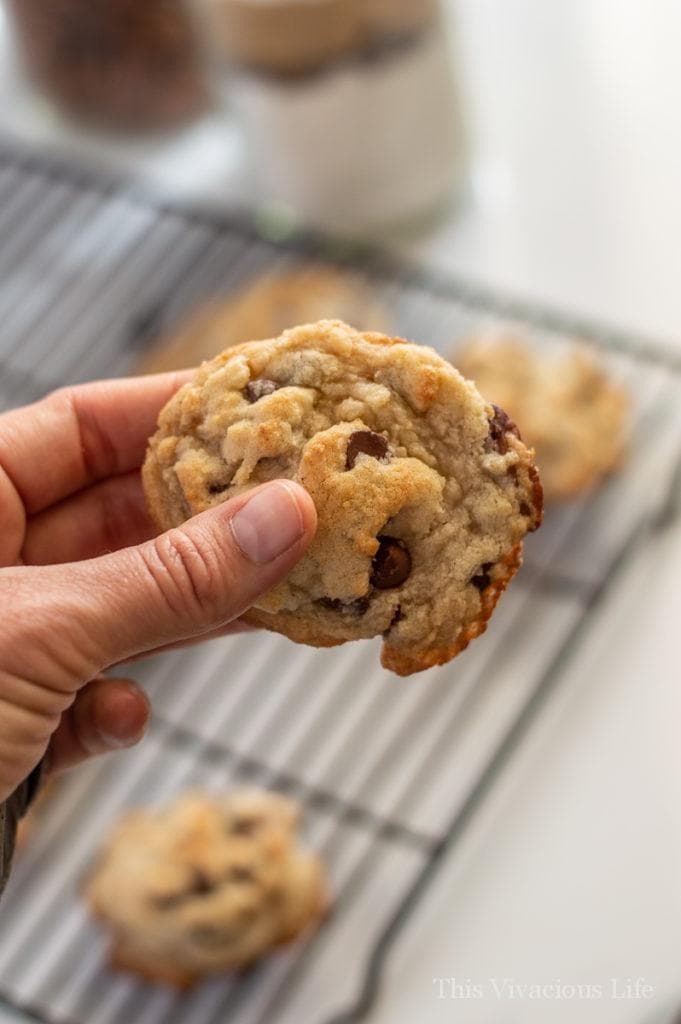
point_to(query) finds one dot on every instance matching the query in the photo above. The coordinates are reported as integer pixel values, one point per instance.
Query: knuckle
(98, 452)
(61, 401)
(187, 575)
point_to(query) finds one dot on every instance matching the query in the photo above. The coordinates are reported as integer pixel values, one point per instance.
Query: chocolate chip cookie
(565, 405)
(423, 490)
(207, 884)
(264, 307)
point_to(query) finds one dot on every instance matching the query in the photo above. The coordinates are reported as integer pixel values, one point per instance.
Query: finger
(79, 435)
(13, 521)
(105, 517)
(108, 714)
(80, 618)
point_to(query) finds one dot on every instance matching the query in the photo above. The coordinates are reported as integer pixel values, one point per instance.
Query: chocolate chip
(525, 509)
(256, 389)
(391, 565)
(365, 442)
(240, 874)
(482, 580)
(500, 425)
(217, 487)
(357, 606)
(201, 885)
(245, 825)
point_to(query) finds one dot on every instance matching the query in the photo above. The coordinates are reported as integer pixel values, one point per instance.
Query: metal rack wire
(389, 771)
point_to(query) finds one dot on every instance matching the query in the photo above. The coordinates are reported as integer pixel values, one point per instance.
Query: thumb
(184, 583)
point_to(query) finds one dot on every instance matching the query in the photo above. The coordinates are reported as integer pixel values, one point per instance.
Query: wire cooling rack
(389, 771)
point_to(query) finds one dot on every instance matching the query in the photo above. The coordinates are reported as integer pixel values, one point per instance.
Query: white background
(573, 870)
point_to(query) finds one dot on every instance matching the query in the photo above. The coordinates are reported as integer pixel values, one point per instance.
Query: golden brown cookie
(565, 405)
(264, 308)
(207, 884)
(423, 490)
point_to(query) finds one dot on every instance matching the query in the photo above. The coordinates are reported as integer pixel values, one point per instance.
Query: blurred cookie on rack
(263, 308)
(208, 884)
(565, 404)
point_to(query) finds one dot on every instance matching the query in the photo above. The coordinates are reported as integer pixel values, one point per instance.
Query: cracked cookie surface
(207, 884)
(423, 490)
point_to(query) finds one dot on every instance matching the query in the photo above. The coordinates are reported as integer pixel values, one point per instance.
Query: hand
(84, 584)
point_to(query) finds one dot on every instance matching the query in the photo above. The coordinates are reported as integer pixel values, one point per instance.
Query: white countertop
(572, 873)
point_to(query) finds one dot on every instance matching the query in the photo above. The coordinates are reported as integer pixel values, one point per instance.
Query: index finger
(81, 434)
